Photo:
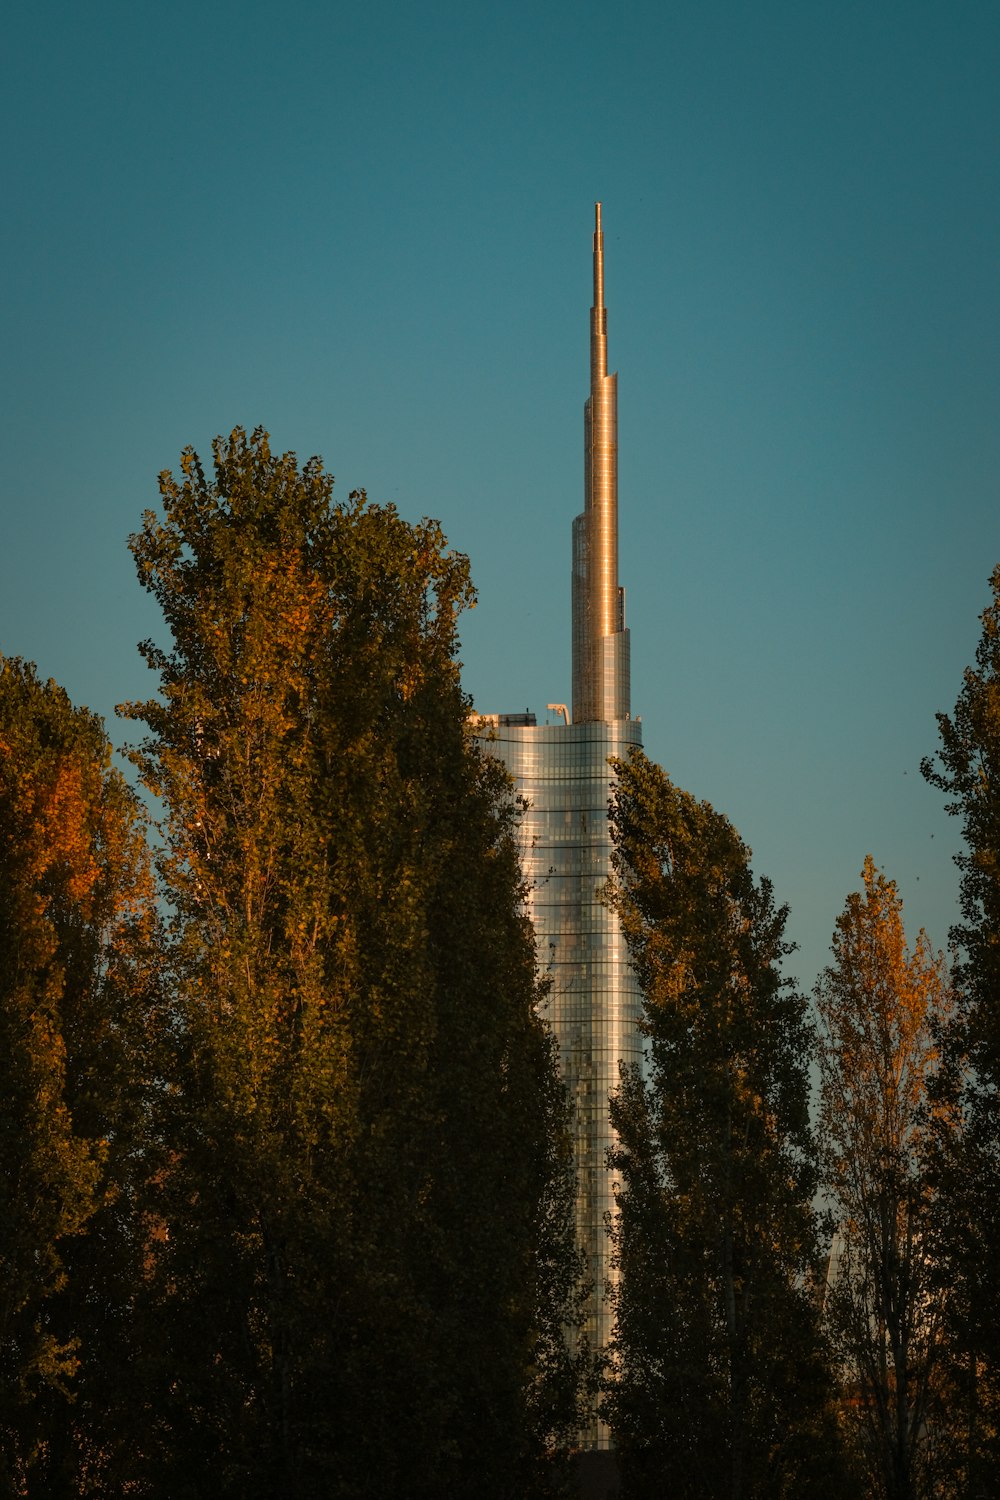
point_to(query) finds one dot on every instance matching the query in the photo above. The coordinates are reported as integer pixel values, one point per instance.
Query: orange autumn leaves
(74, 876)
(880, 1007)
(50, 805)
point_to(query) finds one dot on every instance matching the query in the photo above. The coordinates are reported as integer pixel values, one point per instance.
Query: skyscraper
(562, 772)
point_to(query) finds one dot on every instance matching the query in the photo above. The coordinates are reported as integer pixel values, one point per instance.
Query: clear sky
(368, 228)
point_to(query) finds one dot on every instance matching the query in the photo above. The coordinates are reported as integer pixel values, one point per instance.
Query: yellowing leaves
(880, 1006)
(74, 895)
(54, 807)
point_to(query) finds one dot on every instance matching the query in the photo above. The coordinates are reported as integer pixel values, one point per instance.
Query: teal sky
(369, 229)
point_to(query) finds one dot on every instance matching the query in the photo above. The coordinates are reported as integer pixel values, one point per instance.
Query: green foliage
(880, 1009)
(75, 908)
(967, 1171)
(719, 1382)
(365, 1205)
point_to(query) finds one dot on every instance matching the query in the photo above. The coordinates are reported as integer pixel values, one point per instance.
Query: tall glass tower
(561, 770)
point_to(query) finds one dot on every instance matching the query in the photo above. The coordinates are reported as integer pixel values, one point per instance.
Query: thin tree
(881, 1008)
(718, 1384)
(966, 769)
(76, 1030)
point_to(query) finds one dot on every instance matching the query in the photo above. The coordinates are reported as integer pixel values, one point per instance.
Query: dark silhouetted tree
(967, 1168)
(78, 963)
(367, 1258)
(719, 1384)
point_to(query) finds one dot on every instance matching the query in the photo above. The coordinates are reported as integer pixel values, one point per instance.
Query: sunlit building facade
(562, 773)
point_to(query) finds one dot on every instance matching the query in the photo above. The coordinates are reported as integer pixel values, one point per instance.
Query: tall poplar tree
(76, 918)
(366, 1243)
(881, 1010)
(967, 769)
(718, 1382)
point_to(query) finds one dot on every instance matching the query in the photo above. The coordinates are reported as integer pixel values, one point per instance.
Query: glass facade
(594, 1002)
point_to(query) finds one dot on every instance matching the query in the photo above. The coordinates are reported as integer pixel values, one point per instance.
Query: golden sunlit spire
(600, 640)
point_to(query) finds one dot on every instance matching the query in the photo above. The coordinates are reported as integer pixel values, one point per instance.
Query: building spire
(598, 313)
(600, 640)
(598, 258)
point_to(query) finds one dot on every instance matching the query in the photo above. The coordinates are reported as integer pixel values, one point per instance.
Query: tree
(718, 1384)
(881, 1009)
(967, 770)
(365, 1204)
(967, 1170)
(75, 912)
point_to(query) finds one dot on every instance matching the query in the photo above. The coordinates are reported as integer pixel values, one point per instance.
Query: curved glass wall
(594, 1002)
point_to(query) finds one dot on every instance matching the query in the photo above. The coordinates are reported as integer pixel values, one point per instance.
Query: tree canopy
(966, 1169)
(718, 1383)
(881, 1009)
(76, 913)
(369, 1182)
